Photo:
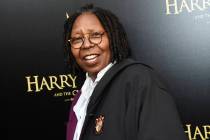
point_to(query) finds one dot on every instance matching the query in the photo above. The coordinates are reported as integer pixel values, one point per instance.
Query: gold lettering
(172, 4)
(66, 93)
(206, 131)
(73, 80)
(53, 81)
(44, 83)
(58, 94)
(50, 82)
(188, 131)
(198, 132)
(29, 83)
(64, 79)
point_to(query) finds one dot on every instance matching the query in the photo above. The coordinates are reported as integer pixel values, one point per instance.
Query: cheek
(105, 45)
(107, 48)
(75, 54)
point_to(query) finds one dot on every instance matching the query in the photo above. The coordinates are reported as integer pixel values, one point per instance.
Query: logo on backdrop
(177, 7)
(47, 84)
(197, 132)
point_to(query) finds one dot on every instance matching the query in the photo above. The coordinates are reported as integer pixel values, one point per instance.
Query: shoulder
(139, 72)
(132, 67)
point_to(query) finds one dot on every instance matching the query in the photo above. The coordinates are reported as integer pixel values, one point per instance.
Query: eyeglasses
(94, 38)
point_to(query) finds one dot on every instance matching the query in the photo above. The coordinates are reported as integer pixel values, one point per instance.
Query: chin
(94, 71)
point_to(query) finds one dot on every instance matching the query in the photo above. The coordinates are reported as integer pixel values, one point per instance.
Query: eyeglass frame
(83, 39)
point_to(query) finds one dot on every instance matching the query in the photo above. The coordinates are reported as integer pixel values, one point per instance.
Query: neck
(93, 76)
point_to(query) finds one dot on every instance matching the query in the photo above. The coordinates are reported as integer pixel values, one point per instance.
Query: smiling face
(91, 57)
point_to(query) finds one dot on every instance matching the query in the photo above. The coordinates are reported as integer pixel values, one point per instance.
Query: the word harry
(37, 83)
(178, 6)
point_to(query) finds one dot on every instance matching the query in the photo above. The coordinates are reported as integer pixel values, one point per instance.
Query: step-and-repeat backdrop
(173, 36)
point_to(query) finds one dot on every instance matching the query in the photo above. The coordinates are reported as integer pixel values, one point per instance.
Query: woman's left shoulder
(142, 72)
(136, 67)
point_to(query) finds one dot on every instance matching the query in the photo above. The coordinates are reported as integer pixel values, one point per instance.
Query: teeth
(89, 57)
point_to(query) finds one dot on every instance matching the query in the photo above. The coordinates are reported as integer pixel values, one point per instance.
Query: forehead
(87, 22)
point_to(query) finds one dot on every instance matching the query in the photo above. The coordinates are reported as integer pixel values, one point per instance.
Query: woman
(120, 99)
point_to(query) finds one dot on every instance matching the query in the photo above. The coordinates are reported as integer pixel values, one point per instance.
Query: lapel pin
(99, 124)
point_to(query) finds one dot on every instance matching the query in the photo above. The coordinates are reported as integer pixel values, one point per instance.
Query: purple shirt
(72, 123)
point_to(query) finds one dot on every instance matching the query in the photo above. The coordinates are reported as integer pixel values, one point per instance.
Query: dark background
(177, 46)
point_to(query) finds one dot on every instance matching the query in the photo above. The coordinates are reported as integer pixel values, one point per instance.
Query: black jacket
(135, 106)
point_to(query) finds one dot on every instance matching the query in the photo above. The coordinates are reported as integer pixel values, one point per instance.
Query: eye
(76, 40)
(95, 35)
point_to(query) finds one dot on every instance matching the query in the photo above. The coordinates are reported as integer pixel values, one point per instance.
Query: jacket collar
(98, 91)
(109, 75)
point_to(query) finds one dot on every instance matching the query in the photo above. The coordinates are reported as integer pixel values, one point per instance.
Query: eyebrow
(80, 32)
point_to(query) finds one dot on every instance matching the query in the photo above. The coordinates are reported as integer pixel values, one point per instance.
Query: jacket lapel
(109, 75)
(98, 91)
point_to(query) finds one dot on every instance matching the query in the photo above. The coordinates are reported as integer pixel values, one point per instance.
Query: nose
(86, 44)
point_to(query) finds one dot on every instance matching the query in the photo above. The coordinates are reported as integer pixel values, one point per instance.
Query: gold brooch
(99, 124)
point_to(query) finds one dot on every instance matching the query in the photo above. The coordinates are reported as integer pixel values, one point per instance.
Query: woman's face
(91, 57)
